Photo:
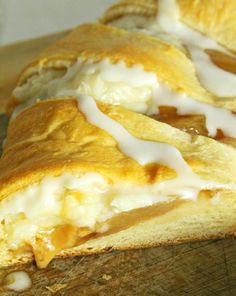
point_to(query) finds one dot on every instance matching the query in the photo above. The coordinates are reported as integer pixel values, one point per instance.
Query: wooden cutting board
(201, 268)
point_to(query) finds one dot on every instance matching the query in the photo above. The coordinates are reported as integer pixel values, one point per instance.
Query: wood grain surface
(201, 268)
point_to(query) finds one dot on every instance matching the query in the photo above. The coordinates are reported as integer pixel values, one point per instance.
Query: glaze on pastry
(86, 167)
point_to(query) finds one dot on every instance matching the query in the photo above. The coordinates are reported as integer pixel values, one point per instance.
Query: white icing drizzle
(134, 89)
(215, 79)
(216, 118)
(142, 151)
(187, 184)
(157, 94)
(18, 281)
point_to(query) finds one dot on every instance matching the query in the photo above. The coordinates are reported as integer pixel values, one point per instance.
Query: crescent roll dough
(63, 176)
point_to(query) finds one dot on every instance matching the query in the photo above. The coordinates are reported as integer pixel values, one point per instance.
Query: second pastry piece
(139, 72)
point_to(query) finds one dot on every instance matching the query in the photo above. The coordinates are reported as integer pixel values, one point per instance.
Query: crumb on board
(56, 287)
(106, 277)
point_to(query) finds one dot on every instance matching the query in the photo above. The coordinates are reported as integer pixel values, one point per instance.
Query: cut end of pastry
(64, 177)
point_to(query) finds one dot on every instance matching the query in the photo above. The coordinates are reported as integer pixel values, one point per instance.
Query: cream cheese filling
(130, 87)
(84, 201)
(109, 83)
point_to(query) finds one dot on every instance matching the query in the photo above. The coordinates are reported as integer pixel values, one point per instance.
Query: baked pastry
(78, 178)
(142, 73)
(87, 157)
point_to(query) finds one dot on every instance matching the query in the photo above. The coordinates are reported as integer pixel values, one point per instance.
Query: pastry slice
(79, 177)
(137, 71)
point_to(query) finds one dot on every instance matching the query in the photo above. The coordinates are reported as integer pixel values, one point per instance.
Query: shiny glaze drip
(215, 79)
(142, 151)
(187, 184)
(216, 118)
